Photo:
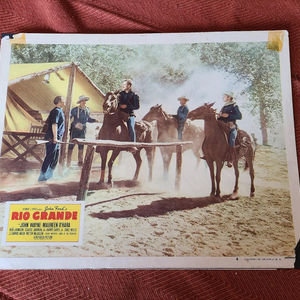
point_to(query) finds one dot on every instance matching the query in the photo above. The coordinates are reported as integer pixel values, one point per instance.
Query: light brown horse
(215, 149)
(167, 132)
(114, 128)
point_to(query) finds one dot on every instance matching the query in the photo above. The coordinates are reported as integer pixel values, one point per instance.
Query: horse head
(155, 113)
(202, 111)
(110, 104)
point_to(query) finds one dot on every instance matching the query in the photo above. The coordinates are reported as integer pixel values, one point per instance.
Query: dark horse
(114, 128)
(215, 149)
(167, 132)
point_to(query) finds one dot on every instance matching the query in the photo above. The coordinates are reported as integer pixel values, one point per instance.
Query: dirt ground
(152, 219)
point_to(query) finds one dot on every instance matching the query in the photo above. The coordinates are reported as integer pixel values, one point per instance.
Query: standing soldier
(128, 102)
(55, 130)
(229, 114)
(80, 115)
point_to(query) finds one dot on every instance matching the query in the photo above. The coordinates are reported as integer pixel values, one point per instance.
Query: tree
(170, 66)
(104, 64)
(259, 67)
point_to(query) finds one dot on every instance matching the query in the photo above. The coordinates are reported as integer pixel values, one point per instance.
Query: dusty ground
(154, 220)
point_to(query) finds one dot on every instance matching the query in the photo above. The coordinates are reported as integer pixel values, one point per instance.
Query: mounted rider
(181, 115)
(229, 114)
(128, 102)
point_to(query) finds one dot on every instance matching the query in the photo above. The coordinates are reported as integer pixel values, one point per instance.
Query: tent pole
(67, 115)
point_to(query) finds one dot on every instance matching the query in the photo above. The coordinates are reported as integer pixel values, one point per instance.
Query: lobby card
(147, 151)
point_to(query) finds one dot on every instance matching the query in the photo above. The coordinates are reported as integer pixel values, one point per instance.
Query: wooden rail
(111, 143)
(92, 144)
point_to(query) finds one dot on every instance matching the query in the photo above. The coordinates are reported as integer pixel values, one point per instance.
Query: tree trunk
(263, 123)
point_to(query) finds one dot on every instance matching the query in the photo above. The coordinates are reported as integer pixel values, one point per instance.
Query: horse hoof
(109, 184)
(218, 199)
(252, 195)
(234, 196)
(101, 185)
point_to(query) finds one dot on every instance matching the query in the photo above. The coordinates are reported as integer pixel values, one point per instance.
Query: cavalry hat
(82, 98)
(183, 97)
(229, 93)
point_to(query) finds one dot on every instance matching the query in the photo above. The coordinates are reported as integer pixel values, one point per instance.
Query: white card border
(167, 262)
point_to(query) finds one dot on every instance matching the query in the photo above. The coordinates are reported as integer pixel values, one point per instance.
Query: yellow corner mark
(18, 39)
(275, 40)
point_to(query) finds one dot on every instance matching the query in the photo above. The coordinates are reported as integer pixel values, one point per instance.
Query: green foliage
(254, 64)
(105, 65)
(108, 65)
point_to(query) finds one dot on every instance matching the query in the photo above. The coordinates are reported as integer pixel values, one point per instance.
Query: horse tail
(246, 166)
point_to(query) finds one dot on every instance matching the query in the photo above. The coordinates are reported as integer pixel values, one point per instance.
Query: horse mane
(114, 95)
(166, 115)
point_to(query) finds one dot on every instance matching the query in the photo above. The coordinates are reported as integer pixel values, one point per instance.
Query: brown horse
(114, 128)
(215, 149)
(167, 132)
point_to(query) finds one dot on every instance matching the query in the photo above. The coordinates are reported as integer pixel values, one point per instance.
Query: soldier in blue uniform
(80, 115)
(55, 130)
(181, 116)
(128, 102)
(229, 114)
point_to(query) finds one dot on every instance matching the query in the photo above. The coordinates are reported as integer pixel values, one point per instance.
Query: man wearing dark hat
(80, 115)
(54, 134)
(181, 116)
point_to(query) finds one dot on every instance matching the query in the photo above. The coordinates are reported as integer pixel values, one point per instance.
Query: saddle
(141, 127)
(242, 141)
(124, 116)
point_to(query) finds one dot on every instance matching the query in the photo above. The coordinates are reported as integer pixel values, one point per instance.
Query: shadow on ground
(158, 208)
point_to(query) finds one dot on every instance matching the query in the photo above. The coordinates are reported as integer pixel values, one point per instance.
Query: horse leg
(197, 155)
(103, 154)
(114, 155)
(235, 194)
(166, 159)
(251, 172)
(138, 160)
(149, 153)
(218, 176)
(212, 177)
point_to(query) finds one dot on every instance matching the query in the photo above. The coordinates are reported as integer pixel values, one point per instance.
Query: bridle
(113, 103)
